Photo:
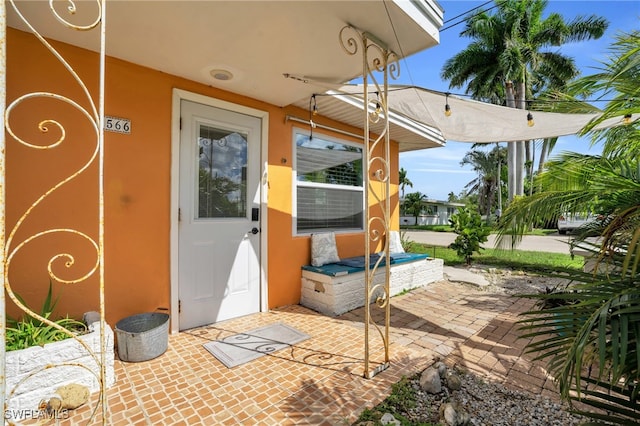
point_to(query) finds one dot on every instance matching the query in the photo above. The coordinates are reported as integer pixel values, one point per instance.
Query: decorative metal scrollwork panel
(82, 264)
(378, 63)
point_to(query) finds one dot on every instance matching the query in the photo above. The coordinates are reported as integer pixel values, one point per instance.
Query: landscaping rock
(442, 369)
(453, 381)
(430, 381)
(388, 419)
(72, 396)
(452, 414)
(54, 404)
(90, 318)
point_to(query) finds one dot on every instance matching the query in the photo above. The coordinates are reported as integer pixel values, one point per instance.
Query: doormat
(244, 347)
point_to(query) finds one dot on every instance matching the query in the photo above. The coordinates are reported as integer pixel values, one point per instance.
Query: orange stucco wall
(137, 185)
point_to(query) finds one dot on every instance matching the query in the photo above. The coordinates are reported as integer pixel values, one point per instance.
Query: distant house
(434, 212)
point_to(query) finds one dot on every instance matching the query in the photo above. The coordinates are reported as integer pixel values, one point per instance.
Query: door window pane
(222, 176)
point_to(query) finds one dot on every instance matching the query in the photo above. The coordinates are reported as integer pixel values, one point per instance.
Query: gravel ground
(516, 282)
(488, 403)
(492, 404)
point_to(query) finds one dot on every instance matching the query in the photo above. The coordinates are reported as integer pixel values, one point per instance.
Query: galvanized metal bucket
(142, 337)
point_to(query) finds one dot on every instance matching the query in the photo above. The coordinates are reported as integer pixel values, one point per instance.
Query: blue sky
(437, 172)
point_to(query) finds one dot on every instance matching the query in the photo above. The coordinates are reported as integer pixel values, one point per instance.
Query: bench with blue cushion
(357, 264)
(335, 288)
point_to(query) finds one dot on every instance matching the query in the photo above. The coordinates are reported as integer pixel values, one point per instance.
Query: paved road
(554, 243)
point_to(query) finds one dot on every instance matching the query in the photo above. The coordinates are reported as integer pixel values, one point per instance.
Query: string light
(313, 110)
(378, 109)
(447, 108)
(466, 95)
(627, 116)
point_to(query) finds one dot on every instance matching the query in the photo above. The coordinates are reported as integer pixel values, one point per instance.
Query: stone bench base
(336, 295)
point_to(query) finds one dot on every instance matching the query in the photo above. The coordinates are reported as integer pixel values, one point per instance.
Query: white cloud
(452, 152)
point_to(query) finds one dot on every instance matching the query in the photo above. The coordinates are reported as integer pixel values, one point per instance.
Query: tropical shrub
(589, 334)
(471, 233)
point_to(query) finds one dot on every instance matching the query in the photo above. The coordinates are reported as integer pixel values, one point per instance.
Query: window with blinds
(329, 193)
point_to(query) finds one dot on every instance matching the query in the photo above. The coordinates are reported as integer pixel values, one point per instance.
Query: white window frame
(294, 184)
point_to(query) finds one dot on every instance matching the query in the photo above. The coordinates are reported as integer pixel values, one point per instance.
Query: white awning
(473, 121)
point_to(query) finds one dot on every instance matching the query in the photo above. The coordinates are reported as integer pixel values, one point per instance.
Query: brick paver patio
(319, 381)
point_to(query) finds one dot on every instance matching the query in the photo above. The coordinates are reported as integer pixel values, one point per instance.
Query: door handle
(254, 230)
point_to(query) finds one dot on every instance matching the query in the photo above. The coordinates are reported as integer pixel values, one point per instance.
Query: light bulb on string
(378, 107)
(313, 111)
(447, 108)
(530, 121)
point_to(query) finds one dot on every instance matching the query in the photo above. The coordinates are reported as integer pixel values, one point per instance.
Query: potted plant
(30, 331)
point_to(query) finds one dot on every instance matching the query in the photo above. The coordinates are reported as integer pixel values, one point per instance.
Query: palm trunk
(511, 149)
(528, 156)
(499, 177)
(490, 197)
(530, 168)
(543, 155)
(547, 147)
(520, 148)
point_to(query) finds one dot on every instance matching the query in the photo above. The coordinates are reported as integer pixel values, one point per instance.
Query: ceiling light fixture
(221, 75)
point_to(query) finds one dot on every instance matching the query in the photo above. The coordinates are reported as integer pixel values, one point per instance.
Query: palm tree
(414, 203)
(618, 80)
(404, 181)
(508, 60)
(487, 184)
(595, 353)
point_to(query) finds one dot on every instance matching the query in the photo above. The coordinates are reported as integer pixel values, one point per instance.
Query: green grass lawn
(533, 261)
(434, 228)
(447, 228)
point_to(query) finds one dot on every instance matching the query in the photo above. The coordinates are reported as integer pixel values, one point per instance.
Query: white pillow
(395, 244)
(324, 249)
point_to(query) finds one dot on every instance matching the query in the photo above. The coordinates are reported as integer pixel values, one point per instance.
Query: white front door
(219, 201)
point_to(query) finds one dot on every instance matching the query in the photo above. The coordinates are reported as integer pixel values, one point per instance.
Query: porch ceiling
(257, 41)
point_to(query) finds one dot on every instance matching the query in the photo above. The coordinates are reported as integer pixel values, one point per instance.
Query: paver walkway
(319, 381)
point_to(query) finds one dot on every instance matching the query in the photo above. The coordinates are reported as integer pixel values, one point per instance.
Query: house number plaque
(117, 125)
